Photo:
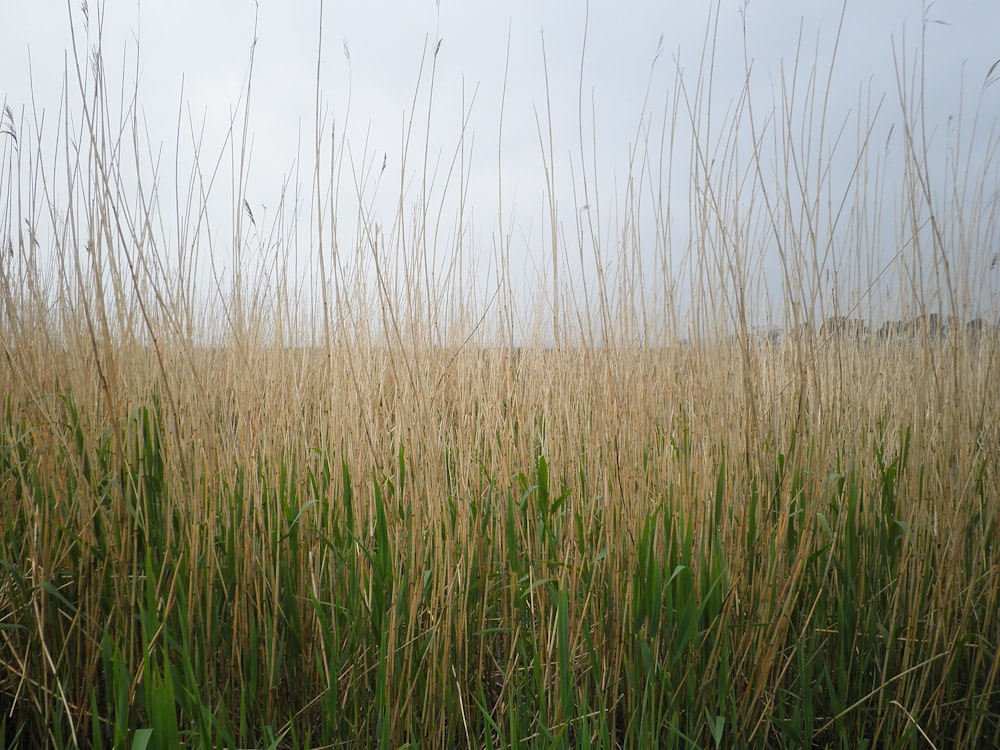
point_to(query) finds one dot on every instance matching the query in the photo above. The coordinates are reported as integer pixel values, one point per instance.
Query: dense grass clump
(807, 589)
(230, 518)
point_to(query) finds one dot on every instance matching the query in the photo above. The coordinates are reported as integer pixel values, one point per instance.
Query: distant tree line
(932, 325)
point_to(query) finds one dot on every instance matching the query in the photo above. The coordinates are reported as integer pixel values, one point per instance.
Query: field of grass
(351, 531)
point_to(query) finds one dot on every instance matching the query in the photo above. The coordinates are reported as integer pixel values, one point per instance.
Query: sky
(606, 73)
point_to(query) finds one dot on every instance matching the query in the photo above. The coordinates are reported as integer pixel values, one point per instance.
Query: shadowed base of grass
(307, 608)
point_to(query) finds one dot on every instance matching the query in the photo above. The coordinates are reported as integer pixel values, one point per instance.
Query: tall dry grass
(234, 518)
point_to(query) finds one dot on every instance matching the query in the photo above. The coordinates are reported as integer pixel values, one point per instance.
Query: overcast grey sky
(372, 51)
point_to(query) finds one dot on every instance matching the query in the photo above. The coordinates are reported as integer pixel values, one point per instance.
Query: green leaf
(142, 738)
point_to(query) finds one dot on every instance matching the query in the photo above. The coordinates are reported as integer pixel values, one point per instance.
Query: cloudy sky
(603, 71)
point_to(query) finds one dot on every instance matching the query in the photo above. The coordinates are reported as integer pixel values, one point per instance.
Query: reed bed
(379, 537)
